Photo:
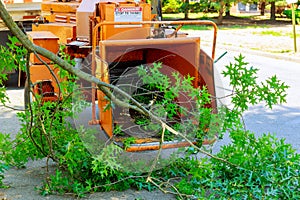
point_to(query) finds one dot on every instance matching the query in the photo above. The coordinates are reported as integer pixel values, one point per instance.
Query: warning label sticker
(128, 14)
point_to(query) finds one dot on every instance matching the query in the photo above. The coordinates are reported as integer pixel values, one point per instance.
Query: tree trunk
(221, 12)
(227, 13)
(262, 8)
(186, 10)
(273, 8)
(186, 15)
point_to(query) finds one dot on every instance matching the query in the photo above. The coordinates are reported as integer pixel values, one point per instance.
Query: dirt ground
(258, 34)
(255, 19)
(22, 183)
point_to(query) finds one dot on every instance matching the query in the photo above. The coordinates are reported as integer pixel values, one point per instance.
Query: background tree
(171, 6)
(228, 6)
(262, 7)
(275, 7)
(273, 10)
(223, 7)
(186, 8)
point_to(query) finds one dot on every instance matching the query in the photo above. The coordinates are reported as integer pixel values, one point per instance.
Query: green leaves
(264, 163)
(187, 109)
(14, 55)
(106, 164)
(248, 91)
(128, 141)
(268, 168)
(12, 58)
(273, 91)
(258, 167)
(5, 155)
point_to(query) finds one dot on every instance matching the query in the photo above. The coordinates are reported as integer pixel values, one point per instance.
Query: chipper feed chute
(117, 61)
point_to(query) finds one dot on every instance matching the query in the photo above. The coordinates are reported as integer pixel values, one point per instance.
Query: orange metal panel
(107, 13)
(180, 54)
(182, 46)
(64, 31)
(105, 115)
(40, 73)
(51, 9)
(44, 39)
(60, 17)
(66, 7)
(206, 73)
(167, 145)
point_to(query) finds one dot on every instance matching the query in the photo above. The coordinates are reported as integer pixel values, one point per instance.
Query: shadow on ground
(283, 121)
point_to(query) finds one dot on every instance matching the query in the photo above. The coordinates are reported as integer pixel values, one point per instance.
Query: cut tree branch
(104, 87)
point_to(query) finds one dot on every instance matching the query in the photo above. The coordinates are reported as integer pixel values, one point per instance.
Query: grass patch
(282, 51)
(255, 48)
(230, 27)
(220, 27)
(180, 16)
(269, 32)
(276, 33)
(240, 21)
(196, 27)
(291, 35)
(243, 15)
(273, 51)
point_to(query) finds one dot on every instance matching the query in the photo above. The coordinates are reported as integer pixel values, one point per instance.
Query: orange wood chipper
(118, 35)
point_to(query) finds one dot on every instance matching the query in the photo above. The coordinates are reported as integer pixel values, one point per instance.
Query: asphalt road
(282, 120)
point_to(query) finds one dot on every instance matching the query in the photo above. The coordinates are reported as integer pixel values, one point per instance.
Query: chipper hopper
(111, 40)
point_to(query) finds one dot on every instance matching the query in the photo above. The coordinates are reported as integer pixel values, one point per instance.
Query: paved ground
(23, 182)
